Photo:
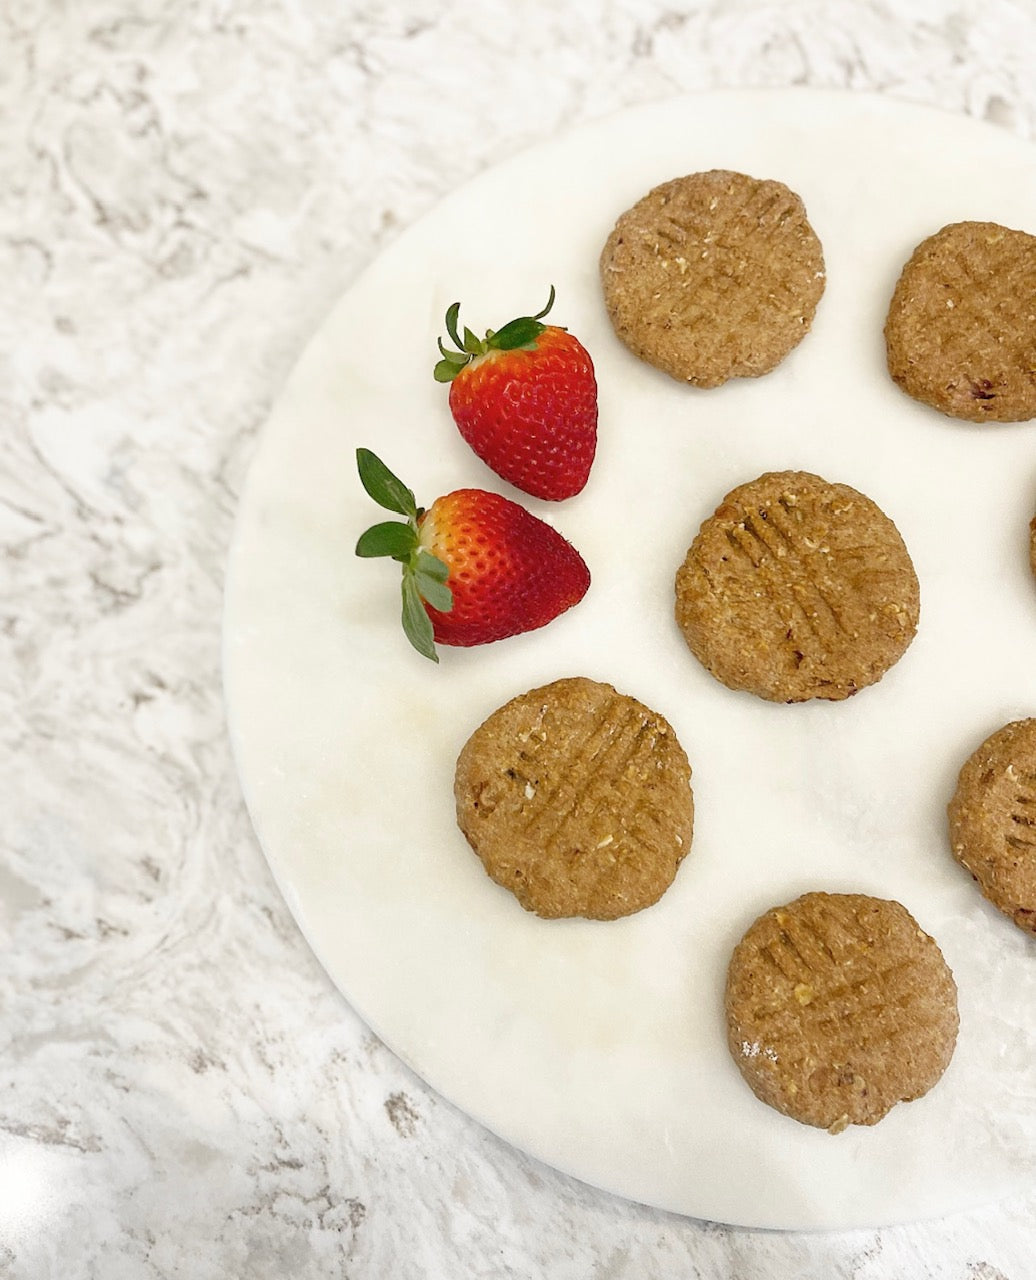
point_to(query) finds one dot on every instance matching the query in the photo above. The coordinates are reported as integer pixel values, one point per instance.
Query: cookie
(993, 820)
(577, 799)
(961, 328)
(713, 276)
(1032, 543)
(796, 589)
(839, 1006)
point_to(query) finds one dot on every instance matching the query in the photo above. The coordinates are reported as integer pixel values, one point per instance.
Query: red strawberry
(476, 567)
(525, 399)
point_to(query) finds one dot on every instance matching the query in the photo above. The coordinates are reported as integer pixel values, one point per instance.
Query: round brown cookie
(796, 588)
(961, 328)
(993, 820)
(713, 276)
(1032, 543)
(577, 799)
(838, 1007)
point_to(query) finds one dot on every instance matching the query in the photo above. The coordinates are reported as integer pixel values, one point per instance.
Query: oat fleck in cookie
(713, 276)
(993, 820)
(577, 799)
(838, 1007)
(796, 588)
(961, 328)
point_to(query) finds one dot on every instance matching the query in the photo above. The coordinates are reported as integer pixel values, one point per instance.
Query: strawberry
(476, 566)
(525, 399)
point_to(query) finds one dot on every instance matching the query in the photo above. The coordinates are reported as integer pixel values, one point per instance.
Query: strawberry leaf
(455, 357)
(519, 333)
(522, 332)
(453, 311)
(424, 575)
(432, 566)
(470, 346)
(387, 490)
(437, 593)
(416, 622)
(389, 538)
(550, 302)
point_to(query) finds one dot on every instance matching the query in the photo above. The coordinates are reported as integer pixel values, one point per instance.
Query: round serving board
(600, 1048)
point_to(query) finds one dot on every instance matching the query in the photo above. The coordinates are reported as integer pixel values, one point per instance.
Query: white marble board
(600, 1048)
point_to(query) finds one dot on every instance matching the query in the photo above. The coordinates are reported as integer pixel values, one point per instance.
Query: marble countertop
(188, 188)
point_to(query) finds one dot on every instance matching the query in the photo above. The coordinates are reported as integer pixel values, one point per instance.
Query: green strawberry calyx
(424, 575)
(521, 332)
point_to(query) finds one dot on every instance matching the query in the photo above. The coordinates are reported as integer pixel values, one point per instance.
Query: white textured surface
(188, 187)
